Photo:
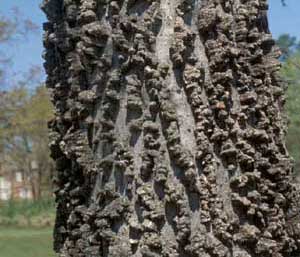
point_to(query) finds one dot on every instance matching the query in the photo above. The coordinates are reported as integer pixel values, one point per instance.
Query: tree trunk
(39, 182)
(30, 176)
(169, 133)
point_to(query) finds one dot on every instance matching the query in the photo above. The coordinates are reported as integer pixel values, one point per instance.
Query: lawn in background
(27, 213)
(18, 242)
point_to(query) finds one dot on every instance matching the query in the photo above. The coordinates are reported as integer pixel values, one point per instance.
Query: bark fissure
(169, 135)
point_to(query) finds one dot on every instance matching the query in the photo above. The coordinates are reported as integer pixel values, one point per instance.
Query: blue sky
(24, 52)
(284, 19)
(28, 52)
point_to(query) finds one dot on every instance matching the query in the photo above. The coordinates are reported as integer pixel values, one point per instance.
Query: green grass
(26, 228)
(27, 213)
(26, 242)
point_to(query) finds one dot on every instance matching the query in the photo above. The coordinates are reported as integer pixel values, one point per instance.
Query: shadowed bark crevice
(169, 134)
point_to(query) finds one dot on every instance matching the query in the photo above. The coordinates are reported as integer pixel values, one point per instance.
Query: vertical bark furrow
(169, 134)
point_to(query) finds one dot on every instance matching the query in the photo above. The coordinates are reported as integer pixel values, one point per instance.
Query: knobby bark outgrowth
(169, 130)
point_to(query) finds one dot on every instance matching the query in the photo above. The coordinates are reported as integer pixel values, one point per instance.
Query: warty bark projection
(169, 130)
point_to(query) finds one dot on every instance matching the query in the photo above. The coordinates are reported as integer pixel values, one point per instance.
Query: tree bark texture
(169, 130)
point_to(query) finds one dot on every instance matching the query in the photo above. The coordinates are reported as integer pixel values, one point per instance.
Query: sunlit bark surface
(169, 132)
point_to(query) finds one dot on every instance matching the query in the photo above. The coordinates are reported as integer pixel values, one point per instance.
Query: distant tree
(288, 45)
(290, 48)
(23, 135)
(23, 113)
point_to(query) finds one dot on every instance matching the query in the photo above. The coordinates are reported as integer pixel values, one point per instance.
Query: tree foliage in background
(23, 135)
(290, 49)
(288, 45)
(23, 112)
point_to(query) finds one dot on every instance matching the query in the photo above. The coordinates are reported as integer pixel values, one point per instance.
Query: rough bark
(169, 132)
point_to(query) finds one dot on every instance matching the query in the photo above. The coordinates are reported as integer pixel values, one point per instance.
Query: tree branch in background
(23, 134)
(13, 29)
(7, 29)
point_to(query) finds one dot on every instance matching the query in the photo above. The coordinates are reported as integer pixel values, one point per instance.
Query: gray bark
(169, 130)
